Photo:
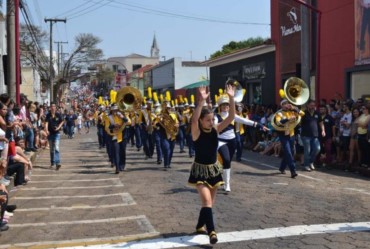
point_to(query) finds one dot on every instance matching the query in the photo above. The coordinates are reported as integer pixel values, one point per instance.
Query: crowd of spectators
(346, 143)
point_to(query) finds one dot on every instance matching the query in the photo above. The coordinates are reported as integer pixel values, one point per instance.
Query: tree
(32, 41)
(233, 46)
(85, 52)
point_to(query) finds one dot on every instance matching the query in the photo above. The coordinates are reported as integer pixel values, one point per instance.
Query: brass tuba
(129, 99)
(167, 122)
(296, 92)
(238, 96)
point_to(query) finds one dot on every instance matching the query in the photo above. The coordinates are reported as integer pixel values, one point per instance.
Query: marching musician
(287, 117)
(182, 127)
(226, 138)
(146, 117)
(100, 126)
(115, 125)
(167, 134)
(156, 134)
(188, 114)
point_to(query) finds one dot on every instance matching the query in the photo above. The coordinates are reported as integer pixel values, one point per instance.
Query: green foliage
(233, 46)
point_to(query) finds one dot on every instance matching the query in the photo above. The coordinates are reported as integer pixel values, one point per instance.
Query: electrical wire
(100, 5)
(183, 16)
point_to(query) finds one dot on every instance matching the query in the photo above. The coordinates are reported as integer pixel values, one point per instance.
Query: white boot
(227, 180)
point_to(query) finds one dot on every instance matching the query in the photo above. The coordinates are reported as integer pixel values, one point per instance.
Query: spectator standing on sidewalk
(354, 151)
(53, 124)
(363, 135)
(327, 141)
(310, 134)
(344, 133)
(206, 171)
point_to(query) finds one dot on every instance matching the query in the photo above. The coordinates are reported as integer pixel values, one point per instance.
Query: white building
(175, 74)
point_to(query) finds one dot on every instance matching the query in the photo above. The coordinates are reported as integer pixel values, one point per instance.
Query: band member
(182, 127)
(137, 130)
(146, 119)
(115, 125)
(100, 126)
(239, 132)
(168, 128)
(287, 117)
(156, 133)
(226, 138)
(189, 110)
(206, 171)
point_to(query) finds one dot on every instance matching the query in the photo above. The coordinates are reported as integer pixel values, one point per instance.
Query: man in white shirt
(344, 132)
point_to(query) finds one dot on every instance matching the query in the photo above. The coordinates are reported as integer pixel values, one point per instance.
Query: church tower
(154, 51)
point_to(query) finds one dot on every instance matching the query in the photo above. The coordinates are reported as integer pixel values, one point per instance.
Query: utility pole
(51, 77)
(13, 69)
(60, 52)
(305, 46)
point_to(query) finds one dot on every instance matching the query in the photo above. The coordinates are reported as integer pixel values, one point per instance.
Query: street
(86, 204)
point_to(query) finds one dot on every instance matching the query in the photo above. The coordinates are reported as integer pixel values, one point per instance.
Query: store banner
(362, 32)
(290, 35)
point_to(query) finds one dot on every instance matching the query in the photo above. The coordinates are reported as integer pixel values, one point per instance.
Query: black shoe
(182, 151)
(33, 149)
(159, 161)
(4, 228)
(138, 149)
(58, 166)
(11, 208)
(213, 238)
(117, 172)
(191, 156)
(294, 175)
(282, 171)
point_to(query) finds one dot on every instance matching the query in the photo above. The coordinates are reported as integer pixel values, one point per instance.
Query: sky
(190, 29)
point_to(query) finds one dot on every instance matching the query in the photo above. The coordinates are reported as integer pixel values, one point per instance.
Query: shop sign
(294, 26)
(254, 71)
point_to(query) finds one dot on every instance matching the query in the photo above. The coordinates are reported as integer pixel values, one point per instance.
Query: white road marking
(280, 183)
(362, 191)
(77, 222)
(78, 180)
(86, 187)
(129, 203)
(67, 196)
(246, 235)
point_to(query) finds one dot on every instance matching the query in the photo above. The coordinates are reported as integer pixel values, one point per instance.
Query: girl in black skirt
(206, 170)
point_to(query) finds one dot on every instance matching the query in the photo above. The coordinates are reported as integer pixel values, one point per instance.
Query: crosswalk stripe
(79, 222)
(48, 209)
(78, 180)
(68, 196)
(85, 187)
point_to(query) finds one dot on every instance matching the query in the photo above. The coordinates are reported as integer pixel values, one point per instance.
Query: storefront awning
(197, 84)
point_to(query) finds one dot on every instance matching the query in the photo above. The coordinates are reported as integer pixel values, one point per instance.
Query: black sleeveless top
(206, 147)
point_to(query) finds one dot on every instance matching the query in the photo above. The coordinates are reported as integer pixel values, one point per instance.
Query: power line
(86, 12)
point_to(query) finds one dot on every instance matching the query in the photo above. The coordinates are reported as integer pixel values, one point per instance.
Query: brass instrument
(167, 122)
(129, 98)
(238, 96)
(297, 93)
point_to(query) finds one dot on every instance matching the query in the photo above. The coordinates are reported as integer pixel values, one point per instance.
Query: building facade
(339, 46)
(253, 68)
(175, 75)
(3, 52)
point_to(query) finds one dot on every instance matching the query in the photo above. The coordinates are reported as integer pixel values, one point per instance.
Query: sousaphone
(297, 93)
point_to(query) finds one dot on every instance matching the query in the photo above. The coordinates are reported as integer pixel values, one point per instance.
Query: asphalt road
(86, 204)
